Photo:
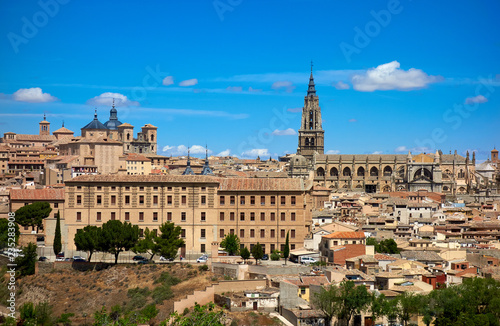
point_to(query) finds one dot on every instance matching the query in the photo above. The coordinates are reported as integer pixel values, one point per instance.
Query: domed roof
(113, 122)
(298, 160)
(95, 124)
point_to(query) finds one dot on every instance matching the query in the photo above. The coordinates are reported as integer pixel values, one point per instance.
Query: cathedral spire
(311, 90)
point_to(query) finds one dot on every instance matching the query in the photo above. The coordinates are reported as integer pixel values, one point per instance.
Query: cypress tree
(57, 236)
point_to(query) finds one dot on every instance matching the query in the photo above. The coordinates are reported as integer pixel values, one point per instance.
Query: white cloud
(353, 120)
(169, 80)
(286, 132)
(33, 95)
(476, 99)
(253, 153)
(341, 85)
(183, 150)
(107, 100)
(333, 151)
(227, 152)
(251, 89)
(234, 88)
(401, 149)
(294, 110)
(377, 152)
(189, 82)
(388, 76)
(286, 85)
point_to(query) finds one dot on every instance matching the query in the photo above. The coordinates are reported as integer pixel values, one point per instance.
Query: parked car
(307, 260)
(138, 258)
(145, 261)
(78, 257)
(166, 259)
(265, 257)
(202, 259)
(43, 258)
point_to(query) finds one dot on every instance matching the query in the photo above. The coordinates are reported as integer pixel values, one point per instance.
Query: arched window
(386, 189)
(334, 172)
(128, 136)
(320, 172)
(401, 172)
(461, 174)
(152, 137)
(312, 142)
(346, 172)
(361, 172)
(387, 171)
(426, 173)
(307, 141)
(373, 172)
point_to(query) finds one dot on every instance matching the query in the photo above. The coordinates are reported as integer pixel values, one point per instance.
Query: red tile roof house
(338, 246)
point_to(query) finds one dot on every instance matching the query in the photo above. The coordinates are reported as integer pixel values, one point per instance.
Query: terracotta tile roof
(345, 235)
(144, 178)
(261, 184)
(136, 157)
(21, 137)
(37, 194)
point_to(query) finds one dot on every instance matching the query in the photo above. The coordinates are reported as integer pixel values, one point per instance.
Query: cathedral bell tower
(311, 133)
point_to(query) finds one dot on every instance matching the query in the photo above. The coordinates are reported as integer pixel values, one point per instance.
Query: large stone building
(207, 208)
(437, 172)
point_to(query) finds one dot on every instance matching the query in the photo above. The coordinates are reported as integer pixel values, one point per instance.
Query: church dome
(95, 124)
(112, 123)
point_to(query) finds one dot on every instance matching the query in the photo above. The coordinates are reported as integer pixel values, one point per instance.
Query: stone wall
(48, 267)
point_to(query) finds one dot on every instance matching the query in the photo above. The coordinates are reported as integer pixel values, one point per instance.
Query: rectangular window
(155, 188)
(231, 216)
(273, 200)
(127, 188)
(155, 216)
(99, 188)
(262, 216)
(242, 216)
(141, 188)
(78, 199)
(113, 200)
(155, 200)
(282, 247)
(252, 200)
(183, 188)
(98, 218)
(221, 216)
(242, 200)
(252, 216)
(183, 217)
(203, 233)
(169, 216)
(113, 188)
(242, 233)
(252, 233)
(262, 233)
(113, 216)
(273, 247)
(273, 233)
(292, 200)
(283, 200)
(56, 205)
(232, 199)
(183, 233)
(79, 187)
(203, 200)
(127, 200)
(99, 199)
(169, 200)
(273, 216)
(169, 188)
(283, 235)
(262, 200)
(202, 247)
(141, 216)
(203, 216)
(292, 246)
(127, 216)
(221, 233)
(141, 200)
(203, 188)
(183, 200)
(231, 231)
(282, 216)
(292, 216)
(292, 233)
(78, 216)
(222, 200)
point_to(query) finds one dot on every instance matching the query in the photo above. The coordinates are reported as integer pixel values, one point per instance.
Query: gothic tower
(311, 133)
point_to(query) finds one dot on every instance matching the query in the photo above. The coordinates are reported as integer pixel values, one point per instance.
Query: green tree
(116, 237)
(7, 232)
(57, 246)
(286, 251)
(231, 244)
(257, 252)
(377, 306)
(408, 304)
(388, 246)
(245, 254)
(147, 244)
(33, 214)
(87, 239)
(206, 315)
(327, 301)
(26, 262)
(169, 241)
(353, 299)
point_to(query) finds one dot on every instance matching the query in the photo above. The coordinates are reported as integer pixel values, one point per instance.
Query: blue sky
(391, 76)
